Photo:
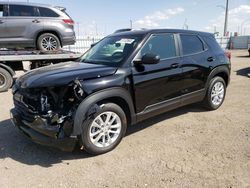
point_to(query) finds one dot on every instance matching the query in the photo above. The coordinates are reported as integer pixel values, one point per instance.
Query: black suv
(125, 78)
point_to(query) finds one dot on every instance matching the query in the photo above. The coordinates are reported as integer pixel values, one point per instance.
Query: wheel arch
(49, 31)
(91, 104)
(222, 71)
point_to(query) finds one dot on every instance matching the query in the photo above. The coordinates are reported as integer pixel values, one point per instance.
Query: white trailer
(23, 60)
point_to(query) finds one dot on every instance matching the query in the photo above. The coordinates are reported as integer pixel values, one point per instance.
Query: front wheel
(104, 130)
(216, 93)
(48, 42)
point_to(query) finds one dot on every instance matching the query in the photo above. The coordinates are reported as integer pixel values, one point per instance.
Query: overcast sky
(103, 17)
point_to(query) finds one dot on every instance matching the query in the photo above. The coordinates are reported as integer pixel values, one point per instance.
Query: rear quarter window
(213, 44)
(46, 12)
(22, 10)
(191, 44)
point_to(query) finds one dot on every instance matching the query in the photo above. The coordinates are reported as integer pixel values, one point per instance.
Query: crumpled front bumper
(41, 133)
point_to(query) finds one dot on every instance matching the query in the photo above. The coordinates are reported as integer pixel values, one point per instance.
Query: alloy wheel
(105, 129)
(217, 94)
(49, 43)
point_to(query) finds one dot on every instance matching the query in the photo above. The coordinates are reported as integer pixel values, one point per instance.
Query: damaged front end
(46, 114)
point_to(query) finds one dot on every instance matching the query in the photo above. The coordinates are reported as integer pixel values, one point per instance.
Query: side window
(1, 11)
(191, 44)
(45, 12)
(22, 10)
(162, 45)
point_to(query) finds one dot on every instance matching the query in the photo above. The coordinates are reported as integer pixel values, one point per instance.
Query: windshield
(111, 51)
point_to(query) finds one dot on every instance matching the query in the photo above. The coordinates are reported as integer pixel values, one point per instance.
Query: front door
(158, 84)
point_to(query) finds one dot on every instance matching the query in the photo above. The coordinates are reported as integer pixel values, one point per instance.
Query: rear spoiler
(61, 8)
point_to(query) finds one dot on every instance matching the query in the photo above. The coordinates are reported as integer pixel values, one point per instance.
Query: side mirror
(148, 59)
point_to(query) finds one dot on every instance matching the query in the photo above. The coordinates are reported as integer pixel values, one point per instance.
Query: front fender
(88, 107)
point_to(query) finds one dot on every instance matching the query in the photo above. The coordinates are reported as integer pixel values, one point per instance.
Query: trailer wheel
(6, 80)
(48, 42)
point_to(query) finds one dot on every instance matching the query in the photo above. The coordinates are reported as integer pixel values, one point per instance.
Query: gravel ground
(187, 147)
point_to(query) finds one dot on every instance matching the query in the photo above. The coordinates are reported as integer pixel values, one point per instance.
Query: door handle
(36, 21)
(175, 65)
(1, 22)
(210, 59)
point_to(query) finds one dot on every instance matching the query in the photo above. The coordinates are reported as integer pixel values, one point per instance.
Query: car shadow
(14, 145)
(165, 116)
(243, 72)
(243, 56)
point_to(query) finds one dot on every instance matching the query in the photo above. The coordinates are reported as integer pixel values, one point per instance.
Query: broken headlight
(78, 90)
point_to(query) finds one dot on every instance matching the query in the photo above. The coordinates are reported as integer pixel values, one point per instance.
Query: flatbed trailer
(24, 60)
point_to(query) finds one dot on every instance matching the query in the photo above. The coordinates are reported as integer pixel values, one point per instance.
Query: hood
(62, 74)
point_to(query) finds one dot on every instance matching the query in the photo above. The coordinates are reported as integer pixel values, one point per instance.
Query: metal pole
(96, 30)
(131, 24)
(242, 24)
(78, 29)
(245, 30)
(226, 19)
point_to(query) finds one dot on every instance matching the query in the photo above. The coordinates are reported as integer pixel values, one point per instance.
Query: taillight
(228, 54)
(69, 21)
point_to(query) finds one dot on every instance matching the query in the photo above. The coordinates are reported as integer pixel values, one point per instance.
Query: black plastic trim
(64, 144)
(89, 102)
(171, 104)
(220, 69)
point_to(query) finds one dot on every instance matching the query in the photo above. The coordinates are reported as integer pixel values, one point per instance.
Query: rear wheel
(104, 130)
(48, 42)
(216, 93)
(6, 80)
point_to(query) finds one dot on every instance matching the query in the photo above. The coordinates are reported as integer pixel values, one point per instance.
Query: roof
(152, 31)
(25, 3)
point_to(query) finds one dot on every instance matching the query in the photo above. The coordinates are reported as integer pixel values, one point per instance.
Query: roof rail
(129, 29)
(123, 30)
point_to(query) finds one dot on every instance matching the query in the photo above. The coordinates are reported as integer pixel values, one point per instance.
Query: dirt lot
(188, 147)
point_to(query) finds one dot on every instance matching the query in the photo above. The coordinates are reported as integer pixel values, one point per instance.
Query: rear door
(22, 23)
(51, 19)
(158, 83)
(196, 60)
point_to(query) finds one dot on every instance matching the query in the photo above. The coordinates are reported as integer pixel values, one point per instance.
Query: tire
(54, 44)
(208, 101)
(6, 80)
(93, 125)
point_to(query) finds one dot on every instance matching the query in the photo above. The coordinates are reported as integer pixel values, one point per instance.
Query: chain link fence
(239, 42)
(82, 44)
